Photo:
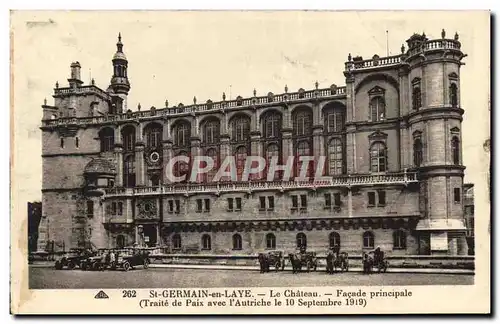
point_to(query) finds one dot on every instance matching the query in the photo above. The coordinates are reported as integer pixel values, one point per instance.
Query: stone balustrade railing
(193, 188)
(89, 89)
(209, 106)
(397, 59)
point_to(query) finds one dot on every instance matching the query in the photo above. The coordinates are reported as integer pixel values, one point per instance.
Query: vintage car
(303, 259)
(95, 262)
(128, 258)
(72, 259)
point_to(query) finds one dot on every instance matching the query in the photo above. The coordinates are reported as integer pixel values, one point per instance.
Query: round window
(154, 157)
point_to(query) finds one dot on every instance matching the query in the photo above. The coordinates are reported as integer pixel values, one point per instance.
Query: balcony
(87, 90)
(299, 96)
(404, 178)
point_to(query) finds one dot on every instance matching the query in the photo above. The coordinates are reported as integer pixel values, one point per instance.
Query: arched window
(176, 242)
(399, 239)
(378, 157)
(181, 168)
(241, 129)
(416, 98)
(272, 125)
(120, 241)
(417, 152)
(303, 149)
(128, 135)
(129, 171)
(270, 241)
(153, 135)
(272, 150)
(335, 157)
(236, 242)
(453, 95)
(211, 131)
(241, 156)
(377, 109)
(455, 150)
(368, 240)
(182, 134)
(301, 239)
(107, 138)
(212, 153)
(302, 122)
(206, 242)
(334, 119)
(334, 239)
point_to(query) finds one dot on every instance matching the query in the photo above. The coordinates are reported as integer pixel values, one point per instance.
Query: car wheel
(146, 263)
(58, 265)
(83, 266)
(71, 265)
(126, 266)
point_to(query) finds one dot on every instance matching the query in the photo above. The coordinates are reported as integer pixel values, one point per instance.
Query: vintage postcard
(250, 162)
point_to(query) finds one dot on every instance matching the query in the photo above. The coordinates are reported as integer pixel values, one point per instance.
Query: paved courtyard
(48, 278)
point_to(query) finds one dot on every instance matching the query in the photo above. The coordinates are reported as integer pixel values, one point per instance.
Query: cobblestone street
(48, 278)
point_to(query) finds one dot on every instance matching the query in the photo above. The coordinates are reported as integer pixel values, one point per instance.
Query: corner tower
(435, 127)
(120, 85)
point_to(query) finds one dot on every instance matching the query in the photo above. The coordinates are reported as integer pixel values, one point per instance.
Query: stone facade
(393, 171)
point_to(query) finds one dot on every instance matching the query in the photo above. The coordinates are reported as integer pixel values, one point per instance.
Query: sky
(179, 55)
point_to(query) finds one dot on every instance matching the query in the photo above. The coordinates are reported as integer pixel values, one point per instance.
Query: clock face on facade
(153, 158)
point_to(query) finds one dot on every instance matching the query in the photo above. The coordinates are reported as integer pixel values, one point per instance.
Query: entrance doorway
(150, 237)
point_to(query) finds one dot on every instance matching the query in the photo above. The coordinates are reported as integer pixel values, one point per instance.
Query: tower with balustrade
(391, 138)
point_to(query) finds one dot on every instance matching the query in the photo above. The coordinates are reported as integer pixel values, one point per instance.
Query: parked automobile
(129, 258)
(72, 258)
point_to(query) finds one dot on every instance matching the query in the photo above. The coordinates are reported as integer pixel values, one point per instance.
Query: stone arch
(378, 76)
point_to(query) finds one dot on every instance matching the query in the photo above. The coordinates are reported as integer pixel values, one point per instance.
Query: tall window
(206, 242)
(212, 153)
(417, 152)
(128, 135)
(241, 156)
(335, 157)
(272, 125)
(176, 242)
(302, 150)
(272, 150)
(334, 119)
(455, 150)
(241, 128)
(399, 239)
(153, 135)
(416, 98)
(129, 171)
(368, 240)
(211, 131)
(334, 239)
(378, 157)
(270, 241)
(182, 134)
(237, 242)
(181, 168)
(302, 122)
(377, 109)
(453, 95)
(301, 240)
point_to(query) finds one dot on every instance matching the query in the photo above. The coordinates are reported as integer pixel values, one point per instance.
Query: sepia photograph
(333, 159)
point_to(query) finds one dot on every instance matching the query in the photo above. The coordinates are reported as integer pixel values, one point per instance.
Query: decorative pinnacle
(194, 100)
(92, 81)
(224, 96)
(316, 84)
(45, 102)
(402, 48)
(349, 57)
(286, 88)
(254, 92)
(57, 84)
(119, 37)
(456, 36)
(166, 103)
(443, 33)
(139, 106)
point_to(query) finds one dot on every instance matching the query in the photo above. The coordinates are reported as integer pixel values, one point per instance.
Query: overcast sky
(179, 55)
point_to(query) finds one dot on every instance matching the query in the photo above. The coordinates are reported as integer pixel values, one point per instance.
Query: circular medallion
(154, 157)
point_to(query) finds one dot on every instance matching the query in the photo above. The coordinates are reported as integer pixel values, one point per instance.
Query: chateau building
(391, 137)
